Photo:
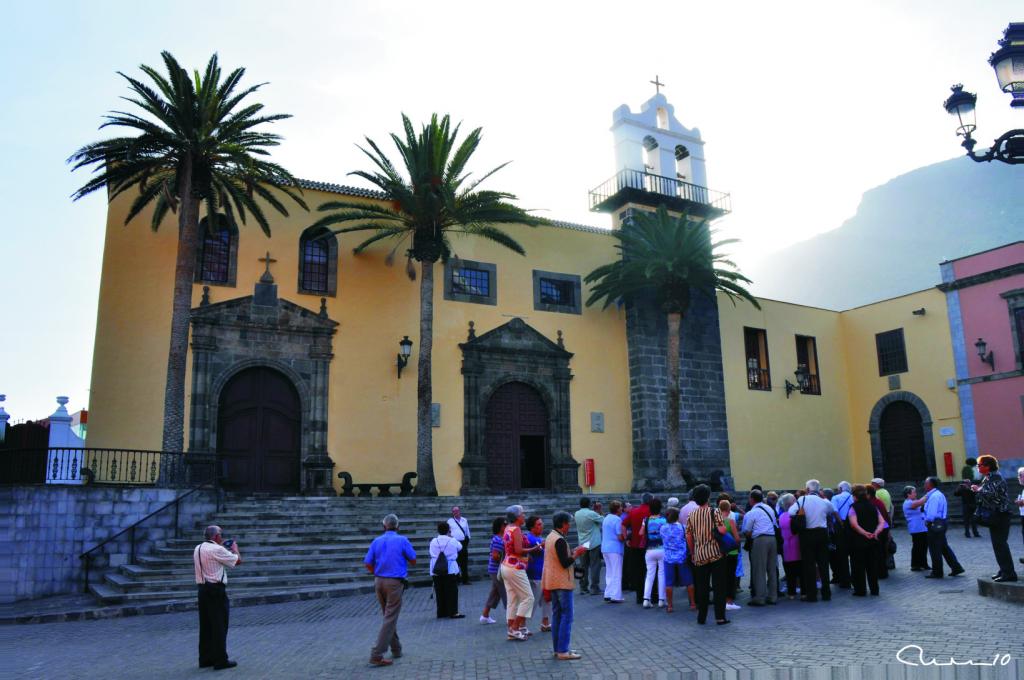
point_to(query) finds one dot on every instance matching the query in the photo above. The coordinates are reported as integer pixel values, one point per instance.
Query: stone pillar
(564, 468)
(3, 418)
(64, 457)
(317, 466)
(473, 463)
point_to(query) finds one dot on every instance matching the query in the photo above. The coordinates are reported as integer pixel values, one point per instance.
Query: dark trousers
(637, 571)
(839, 559)
(446, 592)
(999, 532)
(730, 586)
(866, 559)
(814, 561)
(591, 563)
(214, 610)
(919, 550)
(463, 561)
(792, 570)
(938, 548)
(883, 554)
(970, 523)
(714, 576)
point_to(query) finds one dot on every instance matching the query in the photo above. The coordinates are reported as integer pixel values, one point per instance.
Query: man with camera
(210, 557)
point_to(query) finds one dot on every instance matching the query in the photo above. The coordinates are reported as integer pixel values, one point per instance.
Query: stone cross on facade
(267, 276)
(657, 85)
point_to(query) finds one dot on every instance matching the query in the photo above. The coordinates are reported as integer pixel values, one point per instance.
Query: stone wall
(43, 530)
(703, 427)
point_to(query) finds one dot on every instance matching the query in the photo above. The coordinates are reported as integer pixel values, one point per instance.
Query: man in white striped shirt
(209, 558)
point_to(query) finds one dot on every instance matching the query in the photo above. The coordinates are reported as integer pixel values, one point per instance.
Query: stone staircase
(297, 548)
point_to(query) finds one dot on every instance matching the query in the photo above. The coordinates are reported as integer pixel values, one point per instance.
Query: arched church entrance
(259, 432)
(902, 438)
(516, 439)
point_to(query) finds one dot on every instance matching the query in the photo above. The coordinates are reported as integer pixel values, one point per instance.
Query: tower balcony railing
(640, 186)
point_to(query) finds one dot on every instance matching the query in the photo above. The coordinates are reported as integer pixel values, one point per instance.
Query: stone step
(126, 584)
(184, 568)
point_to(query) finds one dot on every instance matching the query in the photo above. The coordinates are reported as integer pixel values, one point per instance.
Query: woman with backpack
(444, 569)
(654, 557)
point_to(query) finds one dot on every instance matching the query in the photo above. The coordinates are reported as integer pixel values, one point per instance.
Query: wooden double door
(516, 439)
(901, 431)
(259, 432)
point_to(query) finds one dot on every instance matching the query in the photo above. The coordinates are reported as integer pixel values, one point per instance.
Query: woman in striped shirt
(710, 567)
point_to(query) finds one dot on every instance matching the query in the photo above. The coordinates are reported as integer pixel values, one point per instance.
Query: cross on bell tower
(657, 85)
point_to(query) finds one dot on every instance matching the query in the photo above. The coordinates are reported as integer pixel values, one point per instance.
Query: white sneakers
(662, 604)
(731, 606)
(486, 620)
(647, 604)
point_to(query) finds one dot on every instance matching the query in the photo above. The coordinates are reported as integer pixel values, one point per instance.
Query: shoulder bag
(799, 521)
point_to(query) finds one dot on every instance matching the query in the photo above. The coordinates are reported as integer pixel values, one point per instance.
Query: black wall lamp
(801, 381)
(405, 349)
(1008, 63)
(986, 357)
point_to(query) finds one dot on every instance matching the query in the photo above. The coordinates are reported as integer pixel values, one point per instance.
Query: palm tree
(667, 260)
(195, 145)
(431, 202)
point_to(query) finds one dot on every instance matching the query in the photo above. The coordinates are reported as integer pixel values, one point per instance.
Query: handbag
(986, 517)
(726, 542)
(799, 521)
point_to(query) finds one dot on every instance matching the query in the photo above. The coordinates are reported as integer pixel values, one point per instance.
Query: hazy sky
(803, 106)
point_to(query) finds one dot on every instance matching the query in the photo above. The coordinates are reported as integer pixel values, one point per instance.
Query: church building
(294, 377)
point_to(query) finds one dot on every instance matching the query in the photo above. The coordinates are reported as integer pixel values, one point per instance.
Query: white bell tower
(658, 161)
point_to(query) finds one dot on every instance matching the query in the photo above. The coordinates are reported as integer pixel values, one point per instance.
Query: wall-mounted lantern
(802, 379)
(986, 357)
(405, 349)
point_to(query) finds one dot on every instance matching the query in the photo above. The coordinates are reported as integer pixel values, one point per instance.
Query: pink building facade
(985, 302)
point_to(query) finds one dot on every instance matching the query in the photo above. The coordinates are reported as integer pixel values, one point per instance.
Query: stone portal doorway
(516, 439)
(903, 453)
(259, 432)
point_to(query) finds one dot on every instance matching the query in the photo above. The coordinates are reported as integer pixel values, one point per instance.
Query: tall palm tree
(195, 145)
(668, 259)
(433, 200)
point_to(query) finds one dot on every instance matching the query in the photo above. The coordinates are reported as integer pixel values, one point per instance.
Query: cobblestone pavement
(331, 638)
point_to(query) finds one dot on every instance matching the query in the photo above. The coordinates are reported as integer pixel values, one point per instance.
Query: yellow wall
(372, 425)
(775, 441)
(929, 363)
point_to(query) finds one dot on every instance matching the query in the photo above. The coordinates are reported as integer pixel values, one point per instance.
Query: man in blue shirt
(935, 516)
(388, 559)
(839, 559)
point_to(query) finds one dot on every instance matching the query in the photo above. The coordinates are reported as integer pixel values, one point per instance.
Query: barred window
(469, 281)
(314, 266)
(892, 352)
(215, 257)
(554, 292)
(807, 359)
(755, 341)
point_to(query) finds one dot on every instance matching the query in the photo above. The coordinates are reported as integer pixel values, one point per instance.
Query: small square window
(467, 281)
(553, 292)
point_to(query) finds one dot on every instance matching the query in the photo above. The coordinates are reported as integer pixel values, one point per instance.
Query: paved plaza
(330, 638)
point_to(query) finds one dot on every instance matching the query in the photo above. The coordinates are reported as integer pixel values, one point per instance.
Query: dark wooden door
(258, 432)
(516, 439)
(903, 452)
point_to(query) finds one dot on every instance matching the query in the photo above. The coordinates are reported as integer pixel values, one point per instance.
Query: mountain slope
(901, 231)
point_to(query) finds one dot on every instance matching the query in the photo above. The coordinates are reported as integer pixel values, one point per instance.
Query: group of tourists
(823, 537)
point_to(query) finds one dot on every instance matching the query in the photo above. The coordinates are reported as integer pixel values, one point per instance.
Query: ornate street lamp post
(1008, 63)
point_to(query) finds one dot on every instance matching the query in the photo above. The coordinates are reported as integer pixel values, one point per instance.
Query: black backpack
(441, 563)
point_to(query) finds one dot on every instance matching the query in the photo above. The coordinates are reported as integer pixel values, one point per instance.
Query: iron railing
(759, 379)
(812, 386)
(89, 555)
(97, 466)
(671, 187)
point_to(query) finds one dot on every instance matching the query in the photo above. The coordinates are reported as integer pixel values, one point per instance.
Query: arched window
(318, 262)
(218, 254)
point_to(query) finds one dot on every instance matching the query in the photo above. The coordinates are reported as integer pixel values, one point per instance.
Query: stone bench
(383, 488)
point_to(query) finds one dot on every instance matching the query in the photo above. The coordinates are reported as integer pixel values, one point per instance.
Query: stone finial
(3, 416)
(560, 341)
(323, 308)
(472, 332)
(206, 297)
(61, 414)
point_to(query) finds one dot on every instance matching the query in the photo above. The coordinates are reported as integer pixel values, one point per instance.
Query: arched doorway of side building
(901, 439)
(516, 439)
(259, 432)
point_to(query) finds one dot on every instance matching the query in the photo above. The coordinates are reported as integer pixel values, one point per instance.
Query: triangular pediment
(243, 311)
(515, 336)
